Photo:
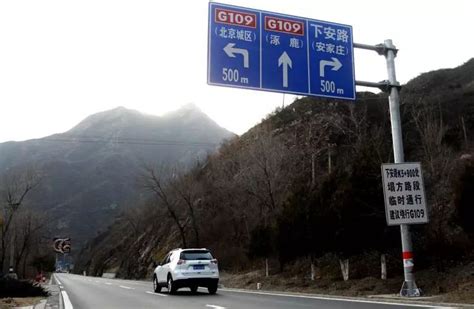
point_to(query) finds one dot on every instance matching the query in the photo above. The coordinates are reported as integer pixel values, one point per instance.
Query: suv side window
(166, 260)
(172, 256)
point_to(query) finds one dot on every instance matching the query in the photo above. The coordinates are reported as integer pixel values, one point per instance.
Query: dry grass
(455, 285)
(19, 302)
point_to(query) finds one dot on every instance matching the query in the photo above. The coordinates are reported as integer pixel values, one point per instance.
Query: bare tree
(155, 182)
(185, 186)
(261, 173)
(28, 225)
(428, 119)
(134, 218)
(15, 186)
(224, 193)
(427, 115)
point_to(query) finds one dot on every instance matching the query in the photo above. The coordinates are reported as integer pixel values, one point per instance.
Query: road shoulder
(389, 299)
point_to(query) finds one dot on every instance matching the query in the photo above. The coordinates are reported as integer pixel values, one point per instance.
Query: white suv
(190, 268)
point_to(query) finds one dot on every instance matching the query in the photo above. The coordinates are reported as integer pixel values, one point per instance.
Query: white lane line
(215, 307)
(67, 302)
(126, 287)
(97, 281)
(108, 283)
(57, 280)
(337, 299)
(157, 294)
(141, 283)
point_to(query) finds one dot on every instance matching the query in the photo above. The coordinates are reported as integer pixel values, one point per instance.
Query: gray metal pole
(409, 287)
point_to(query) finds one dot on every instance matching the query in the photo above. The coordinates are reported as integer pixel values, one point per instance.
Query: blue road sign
(274, 52)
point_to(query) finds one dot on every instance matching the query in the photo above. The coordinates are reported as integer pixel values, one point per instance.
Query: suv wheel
(212, 289)
(171, 286)
(156, 286)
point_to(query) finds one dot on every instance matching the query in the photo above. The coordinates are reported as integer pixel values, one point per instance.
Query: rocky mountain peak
(91, 170)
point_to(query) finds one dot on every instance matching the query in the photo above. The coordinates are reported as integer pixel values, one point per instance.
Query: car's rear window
(195, 255)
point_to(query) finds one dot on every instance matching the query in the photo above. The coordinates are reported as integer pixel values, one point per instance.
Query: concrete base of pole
(409, 289)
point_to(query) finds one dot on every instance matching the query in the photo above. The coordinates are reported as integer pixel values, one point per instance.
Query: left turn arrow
(230, 50)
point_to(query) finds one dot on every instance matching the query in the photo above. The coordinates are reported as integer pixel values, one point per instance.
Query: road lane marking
(57, 280)
(67, 302)
(108, 283)
(338, 299)
(215, 307)
(157, 294)
(141, 283)
(126, 287)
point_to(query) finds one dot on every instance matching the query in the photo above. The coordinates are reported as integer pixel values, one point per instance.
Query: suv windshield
(195, 255)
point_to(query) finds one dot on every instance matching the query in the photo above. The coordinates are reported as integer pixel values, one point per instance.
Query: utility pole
(392, 86)
(409, 287)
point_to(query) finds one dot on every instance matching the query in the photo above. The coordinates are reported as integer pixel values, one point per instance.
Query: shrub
(20, 288)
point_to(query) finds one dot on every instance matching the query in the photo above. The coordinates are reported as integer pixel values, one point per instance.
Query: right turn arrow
(285, 60)
(335, 64)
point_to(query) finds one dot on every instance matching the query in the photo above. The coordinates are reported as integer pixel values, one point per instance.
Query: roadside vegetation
(23, 231)
(305, 185)
(20, 288)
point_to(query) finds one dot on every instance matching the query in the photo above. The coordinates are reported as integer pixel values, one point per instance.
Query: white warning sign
(404, 193)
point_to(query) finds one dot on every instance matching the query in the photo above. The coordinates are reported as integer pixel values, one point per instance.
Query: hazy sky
(61, 61)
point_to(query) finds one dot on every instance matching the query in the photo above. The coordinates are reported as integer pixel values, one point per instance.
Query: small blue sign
(331, 55)
(285, 60)
(274, 52)
(234, 47)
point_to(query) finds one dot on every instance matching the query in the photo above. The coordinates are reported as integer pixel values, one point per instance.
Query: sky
(63, 60)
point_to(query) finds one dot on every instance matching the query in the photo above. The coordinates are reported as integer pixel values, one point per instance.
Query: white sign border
(382, 167)
(353, 98)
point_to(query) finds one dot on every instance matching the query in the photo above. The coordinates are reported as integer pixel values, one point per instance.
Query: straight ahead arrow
(335, 64)
(286, 62)
(230, 50)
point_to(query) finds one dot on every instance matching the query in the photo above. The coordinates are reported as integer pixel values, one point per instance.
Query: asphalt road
(80, 292)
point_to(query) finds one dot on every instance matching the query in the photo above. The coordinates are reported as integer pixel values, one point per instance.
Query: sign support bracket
(384, 85)
(381, 49)
(392, 86)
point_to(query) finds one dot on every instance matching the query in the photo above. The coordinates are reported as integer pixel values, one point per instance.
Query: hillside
(89, 174)
(306, 184)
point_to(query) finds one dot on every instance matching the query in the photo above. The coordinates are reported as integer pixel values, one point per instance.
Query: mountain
(306, 182)
(90, 173)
